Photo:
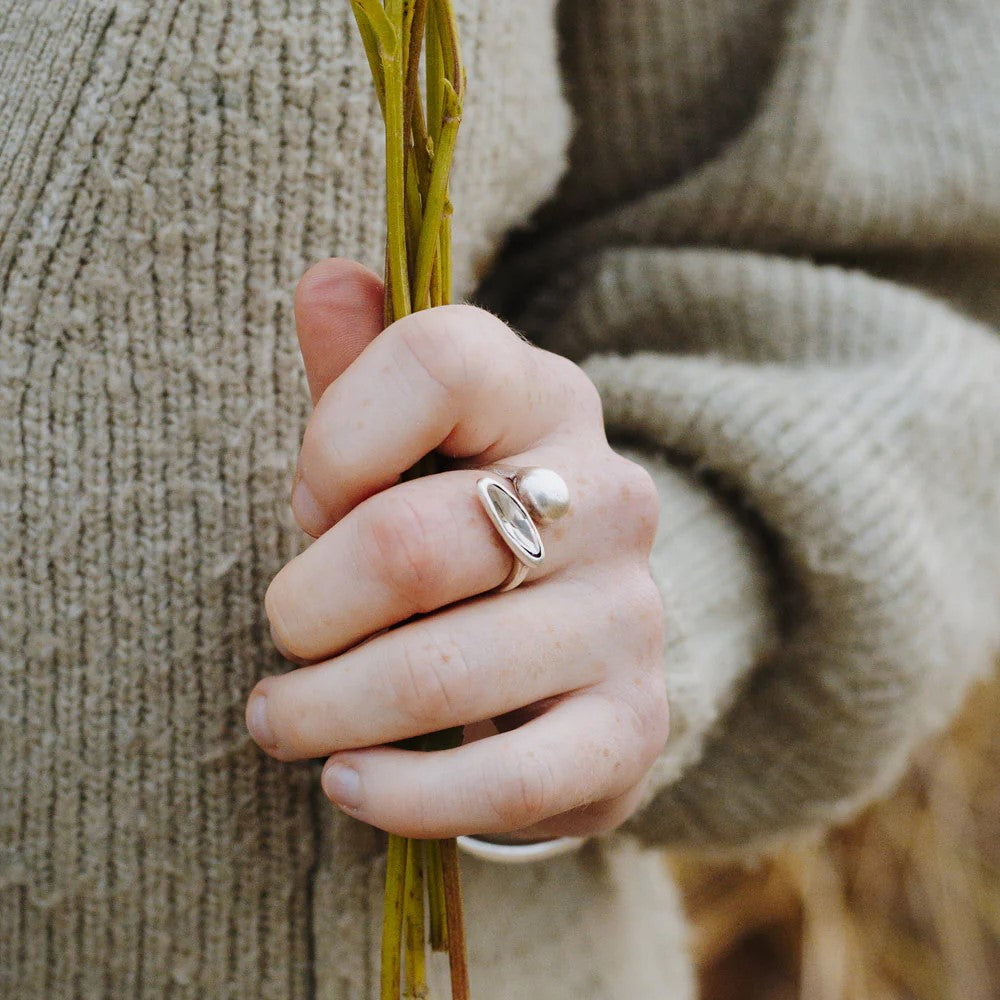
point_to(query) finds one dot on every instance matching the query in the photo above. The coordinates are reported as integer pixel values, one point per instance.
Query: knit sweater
(770, 235)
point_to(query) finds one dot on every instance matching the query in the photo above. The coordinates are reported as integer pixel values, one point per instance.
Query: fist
(393, 615)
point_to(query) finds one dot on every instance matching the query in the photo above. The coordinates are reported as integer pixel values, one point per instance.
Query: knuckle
(623, 761)
(642, 720)
(652, 713)
(324, 454)
(524, 793)
(635, 611)
(589, 398)
(587, 402)
(638, 495)
(649, 617)
(403, 543)
(438, 344)
(431, 681)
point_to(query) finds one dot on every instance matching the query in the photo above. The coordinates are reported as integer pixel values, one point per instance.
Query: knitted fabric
(773, 249)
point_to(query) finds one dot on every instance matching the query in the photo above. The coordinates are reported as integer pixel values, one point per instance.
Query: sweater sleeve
(746, 280)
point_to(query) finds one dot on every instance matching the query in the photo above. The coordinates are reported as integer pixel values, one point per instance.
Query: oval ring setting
(514, 500)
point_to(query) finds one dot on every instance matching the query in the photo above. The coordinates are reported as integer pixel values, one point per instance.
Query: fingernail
(307, 511)
(260, 728)
(342, 785)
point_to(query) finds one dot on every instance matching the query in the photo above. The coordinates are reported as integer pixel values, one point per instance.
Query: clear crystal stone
(514, 521)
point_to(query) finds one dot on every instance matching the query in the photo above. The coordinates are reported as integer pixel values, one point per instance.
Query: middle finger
(453, 379)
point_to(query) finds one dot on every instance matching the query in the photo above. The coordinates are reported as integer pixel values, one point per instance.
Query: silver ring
(516, 854)
(514, 500)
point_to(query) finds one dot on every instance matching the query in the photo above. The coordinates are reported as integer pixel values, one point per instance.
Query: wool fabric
(769, 231)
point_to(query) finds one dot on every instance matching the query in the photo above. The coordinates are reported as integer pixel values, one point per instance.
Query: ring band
(517, 575)
(516, 854)
(513, 499)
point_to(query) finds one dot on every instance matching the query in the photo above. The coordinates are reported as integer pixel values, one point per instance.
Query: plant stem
(370, 41)
(445, 255)
(438, 930)
(420, 148)
(392, 925)
(451, 51)
(456, 922)
(434, 75)
(418, 28)
(419, 154)
(437, 197)
(415, 944)
(395, 167)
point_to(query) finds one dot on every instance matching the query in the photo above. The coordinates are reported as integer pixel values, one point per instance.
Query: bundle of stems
(423, 899)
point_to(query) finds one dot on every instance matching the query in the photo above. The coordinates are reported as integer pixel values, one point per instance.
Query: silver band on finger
(516, 854)
(514, 499)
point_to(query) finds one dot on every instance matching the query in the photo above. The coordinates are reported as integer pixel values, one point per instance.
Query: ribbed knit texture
(760, 195)
(757, 193)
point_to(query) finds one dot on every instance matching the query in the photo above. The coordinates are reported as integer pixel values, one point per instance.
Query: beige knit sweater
(774, 249)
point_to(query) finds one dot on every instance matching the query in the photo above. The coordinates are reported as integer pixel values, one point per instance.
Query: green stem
(417, 31)
(392, 919)
(451, 50)
(437, 292)
(406, 15)
(445, 253)
(435, 898)
(416, 944)
(415, 136)
(380, 23)
(419, 154)
(434, 74)
(371, 43)
(420, 147)
(437, 197)
(395, 169)
(414, 213)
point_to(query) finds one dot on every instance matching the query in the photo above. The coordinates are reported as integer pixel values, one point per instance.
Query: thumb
(338, 313)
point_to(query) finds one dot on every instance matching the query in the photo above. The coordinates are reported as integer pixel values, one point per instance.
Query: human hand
(568, 666)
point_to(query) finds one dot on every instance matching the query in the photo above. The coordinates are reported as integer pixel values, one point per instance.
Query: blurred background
(902, 904)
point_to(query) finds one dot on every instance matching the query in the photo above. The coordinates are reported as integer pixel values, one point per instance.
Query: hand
(568, 666)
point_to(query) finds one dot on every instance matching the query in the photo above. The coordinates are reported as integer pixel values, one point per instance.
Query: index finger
(455, 379)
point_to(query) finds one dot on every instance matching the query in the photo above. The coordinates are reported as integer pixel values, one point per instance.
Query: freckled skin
(392, 611)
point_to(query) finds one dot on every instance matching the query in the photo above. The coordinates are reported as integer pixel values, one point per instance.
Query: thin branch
(456, 923)
(437, 198)
(395, 169)
(415, 947)
(392, 919)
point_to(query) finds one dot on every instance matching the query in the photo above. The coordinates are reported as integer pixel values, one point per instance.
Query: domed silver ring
(517, 501)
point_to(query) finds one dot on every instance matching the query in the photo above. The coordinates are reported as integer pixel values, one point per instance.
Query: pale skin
(389, 613)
